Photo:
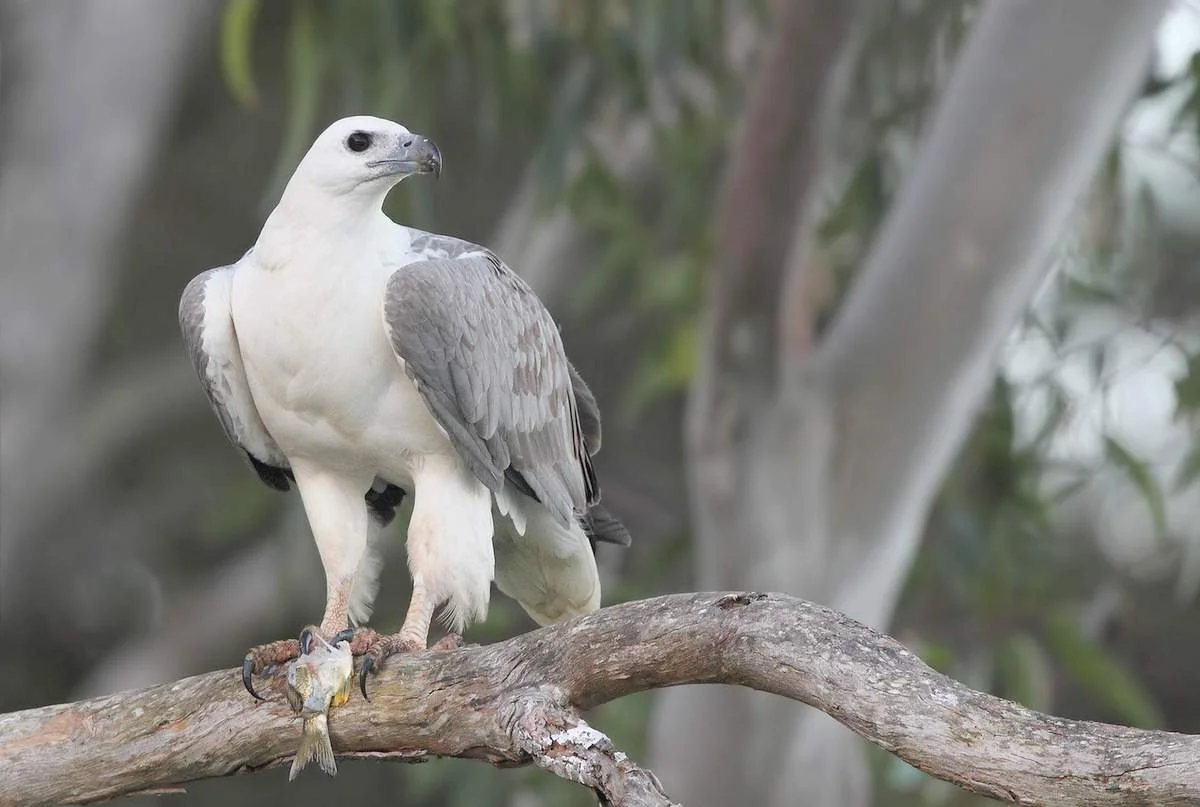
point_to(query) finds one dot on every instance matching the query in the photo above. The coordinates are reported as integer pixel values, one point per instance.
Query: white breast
(323, 376)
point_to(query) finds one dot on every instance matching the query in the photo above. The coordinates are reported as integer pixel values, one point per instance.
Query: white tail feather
(550, 570)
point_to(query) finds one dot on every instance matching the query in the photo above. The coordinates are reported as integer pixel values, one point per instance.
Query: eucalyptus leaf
(1142, 479)
(1100, 674)
(237, 49)
(306, 67)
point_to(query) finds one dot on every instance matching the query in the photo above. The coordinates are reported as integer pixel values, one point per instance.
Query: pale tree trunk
(88, 93)
(845, 442)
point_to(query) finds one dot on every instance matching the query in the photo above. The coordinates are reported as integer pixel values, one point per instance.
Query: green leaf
(1026, 671)
(306, 68)
(1140, 476)
(237, 49)
(662, 371)
(1100, 674)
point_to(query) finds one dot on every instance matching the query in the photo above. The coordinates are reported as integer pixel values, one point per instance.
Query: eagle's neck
(310, 225)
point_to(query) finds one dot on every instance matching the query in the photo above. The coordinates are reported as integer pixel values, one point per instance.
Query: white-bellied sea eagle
(363, 361)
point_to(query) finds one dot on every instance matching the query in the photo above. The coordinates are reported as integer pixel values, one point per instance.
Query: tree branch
(518, 702)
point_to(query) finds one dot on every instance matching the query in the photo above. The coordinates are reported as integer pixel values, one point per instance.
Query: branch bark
(519, 702)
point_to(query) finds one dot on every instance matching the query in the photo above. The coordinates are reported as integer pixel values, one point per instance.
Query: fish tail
(314, 745)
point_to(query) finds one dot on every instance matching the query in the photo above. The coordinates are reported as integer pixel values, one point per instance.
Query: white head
(365, 157)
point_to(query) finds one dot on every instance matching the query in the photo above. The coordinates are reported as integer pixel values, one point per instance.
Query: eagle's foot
(265, 656)
(387, 646)
(272, 654)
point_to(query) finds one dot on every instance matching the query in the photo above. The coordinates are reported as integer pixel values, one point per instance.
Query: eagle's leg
(450, 557)
(337, 513)
(412, 637)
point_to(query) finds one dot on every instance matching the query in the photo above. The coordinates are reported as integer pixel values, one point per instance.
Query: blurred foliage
(992, 600)
(542, 73)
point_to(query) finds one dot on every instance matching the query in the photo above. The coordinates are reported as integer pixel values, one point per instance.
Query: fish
(320, 679)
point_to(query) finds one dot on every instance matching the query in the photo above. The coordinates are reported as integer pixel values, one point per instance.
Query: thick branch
(515, 703)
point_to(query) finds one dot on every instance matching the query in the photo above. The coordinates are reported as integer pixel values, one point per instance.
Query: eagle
(363, 361)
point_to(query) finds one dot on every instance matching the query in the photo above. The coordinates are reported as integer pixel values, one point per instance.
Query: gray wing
(207, 324)
(589, 411)
(487, 358)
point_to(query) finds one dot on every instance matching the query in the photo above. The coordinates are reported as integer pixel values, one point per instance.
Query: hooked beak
(415, 154)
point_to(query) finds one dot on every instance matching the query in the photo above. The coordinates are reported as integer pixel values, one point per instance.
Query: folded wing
(487, 358)
(207, 324)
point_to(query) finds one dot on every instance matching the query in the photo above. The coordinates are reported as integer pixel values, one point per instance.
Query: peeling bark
(518, 702)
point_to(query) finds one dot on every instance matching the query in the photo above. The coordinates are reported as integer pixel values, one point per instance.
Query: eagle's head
(366, 155)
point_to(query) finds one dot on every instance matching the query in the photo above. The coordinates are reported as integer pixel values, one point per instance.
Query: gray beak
(414, 154)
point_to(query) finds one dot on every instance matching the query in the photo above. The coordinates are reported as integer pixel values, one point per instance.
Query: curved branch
(518, 702)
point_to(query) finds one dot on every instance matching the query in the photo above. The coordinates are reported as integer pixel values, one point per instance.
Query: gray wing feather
(488, 360)
(207, 325)
(589, 411)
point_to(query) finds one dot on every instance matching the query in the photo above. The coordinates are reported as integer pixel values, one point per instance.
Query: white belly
(324, 378)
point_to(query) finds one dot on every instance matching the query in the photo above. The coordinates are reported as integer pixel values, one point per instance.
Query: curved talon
(346, 635)
(368, 664)
(306, 640)
(248, 675)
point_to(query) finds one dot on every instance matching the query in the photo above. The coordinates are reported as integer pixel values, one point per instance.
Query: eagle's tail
(602, 527)
(550, 569)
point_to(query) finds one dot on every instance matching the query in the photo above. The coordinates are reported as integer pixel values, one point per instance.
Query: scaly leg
(413, 636)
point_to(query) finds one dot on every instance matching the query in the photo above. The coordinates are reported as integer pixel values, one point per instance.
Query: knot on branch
(542, 725)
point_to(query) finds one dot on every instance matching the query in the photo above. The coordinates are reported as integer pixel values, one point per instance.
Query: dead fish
(318, 680)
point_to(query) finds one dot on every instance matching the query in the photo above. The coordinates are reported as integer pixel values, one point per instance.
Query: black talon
(306, 641)
(368, 664)
(346, 635)
(247, 677)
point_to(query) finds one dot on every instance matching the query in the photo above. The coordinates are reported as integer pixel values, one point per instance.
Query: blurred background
(142, 142)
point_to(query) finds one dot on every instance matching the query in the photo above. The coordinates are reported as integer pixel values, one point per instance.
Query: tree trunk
(66, 190)
(847, 443)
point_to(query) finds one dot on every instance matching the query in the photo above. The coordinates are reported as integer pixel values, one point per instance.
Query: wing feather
(487, 357)
(206, 321)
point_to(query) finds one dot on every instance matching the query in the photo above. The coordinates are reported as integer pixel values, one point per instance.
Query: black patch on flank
(277, 478)
(382, 504)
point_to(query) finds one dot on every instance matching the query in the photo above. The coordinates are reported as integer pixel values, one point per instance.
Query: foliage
(994, 600)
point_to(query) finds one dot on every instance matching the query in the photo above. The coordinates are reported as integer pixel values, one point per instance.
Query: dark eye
(358, 141)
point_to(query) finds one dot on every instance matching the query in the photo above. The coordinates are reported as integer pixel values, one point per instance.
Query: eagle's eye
(358, 141)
